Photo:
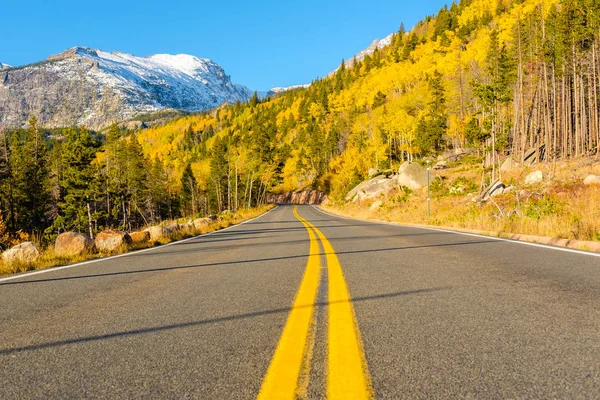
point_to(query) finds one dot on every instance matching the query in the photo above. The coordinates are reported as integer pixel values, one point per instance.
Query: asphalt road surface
(304, 304)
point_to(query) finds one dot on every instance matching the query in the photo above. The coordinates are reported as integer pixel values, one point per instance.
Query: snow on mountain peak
(4, 66)
(107, 87)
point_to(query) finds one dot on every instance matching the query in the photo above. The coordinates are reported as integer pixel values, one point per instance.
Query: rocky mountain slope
(88, 87)
(4, 66)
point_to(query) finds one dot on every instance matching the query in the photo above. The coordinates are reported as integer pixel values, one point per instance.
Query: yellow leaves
(456, 127)
(316, 111)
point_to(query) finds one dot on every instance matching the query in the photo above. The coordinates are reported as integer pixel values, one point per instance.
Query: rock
(201, 222)
(373, 172)
(157, 232)
(411, 175)
(25, 252)
(71, 244)
(376, 205)
(359, 197)
(110, 240)
(304, 197)
(213, 217)
(173, 227)
(530, 156)
(139, 237)
(534, 177)
(441, 165)
(352, 193)
(495, 189)
(508, 164)
(592, 180)
(459, 189)
(379, 186)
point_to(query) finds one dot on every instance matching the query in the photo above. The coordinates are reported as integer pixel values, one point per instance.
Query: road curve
(427, 314)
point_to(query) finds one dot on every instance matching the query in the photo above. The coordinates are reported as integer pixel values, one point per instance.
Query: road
(301, 303)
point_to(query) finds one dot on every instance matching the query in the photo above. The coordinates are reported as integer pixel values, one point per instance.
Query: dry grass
(561, 206)
(49, 259)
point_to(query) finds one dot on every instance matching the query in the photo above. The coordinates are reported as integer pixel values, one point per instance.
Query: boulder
(201, 222)
(110, 240)
(157, 232)
(531, 156)
(411, 175)
(69, 244)
(508, 164)
(352, 193)
(213, 217)
(376, 205)
(25, 252)
(373, 172)
(495, 189)
(379, 186)
(359, 197)
(534, 177)
(592, 180)
(139, 237)
(173, 227)
(440, 165)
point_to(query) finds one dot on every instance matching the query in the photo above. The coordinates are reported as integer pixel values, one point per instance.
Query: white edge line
(53, 269)
(545, 246)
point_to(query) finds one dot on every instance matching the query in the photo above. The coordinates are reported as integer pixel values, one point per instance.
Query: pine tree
(78, 182)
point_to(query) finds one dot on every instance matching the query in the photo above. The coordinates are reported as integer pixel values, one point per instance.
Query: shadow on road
(192, 324)
(152, 270)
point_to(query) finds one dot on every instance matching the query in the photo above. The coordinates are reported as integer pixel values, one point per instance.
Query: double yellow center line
(347, 372)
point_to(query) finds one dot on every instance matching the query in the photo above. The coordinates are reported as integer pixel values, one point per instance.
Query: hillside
(92, 88)
(468, 77)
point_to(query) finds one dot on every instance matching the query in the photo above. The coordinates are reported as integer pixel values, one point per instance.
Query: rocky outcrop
(25, 253)
(139, 237)
(110, 240)
(70, 244)
(305, 197)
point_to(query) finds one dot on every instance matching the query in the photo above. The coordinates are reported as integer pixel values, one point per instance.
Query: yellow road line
(282, 377)
(348, 373)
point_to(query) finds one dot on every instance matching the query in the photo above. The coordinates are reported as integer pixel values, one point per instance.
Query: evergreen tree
(78, 184)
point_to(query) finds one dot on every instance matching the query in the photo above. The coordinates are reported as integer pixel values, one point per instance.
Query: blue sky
(261, 44)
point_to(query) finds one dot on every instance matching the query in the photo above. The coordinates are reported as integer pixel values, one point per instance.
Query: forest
(499, 76)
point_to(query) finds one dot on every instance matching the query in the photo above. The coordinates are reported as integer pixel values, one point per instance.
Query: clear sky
(260, 43)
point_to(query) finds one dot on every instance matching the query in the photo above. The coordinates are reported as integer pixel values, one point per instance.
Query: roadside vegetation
(559, 206)
(48, 258)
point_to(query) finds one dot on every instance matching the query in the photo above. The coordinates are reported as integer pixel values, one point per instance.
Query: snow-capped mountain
(376, 44)
(83, 86)
(4, 66)
(278, 90)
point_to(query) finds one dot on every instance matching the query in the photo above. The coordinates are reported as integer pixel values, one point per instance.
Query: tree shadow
(257, 260)
(192, 324)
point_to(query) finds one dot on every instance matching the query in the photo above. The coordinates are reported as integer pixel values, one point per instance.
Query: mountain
(375, 44)
(93, 88)
(4, 66)
(278, 90)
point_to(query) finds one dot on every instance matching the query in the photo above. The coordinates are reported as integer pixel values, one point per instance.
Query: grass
(49, 259)
(561, 206)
